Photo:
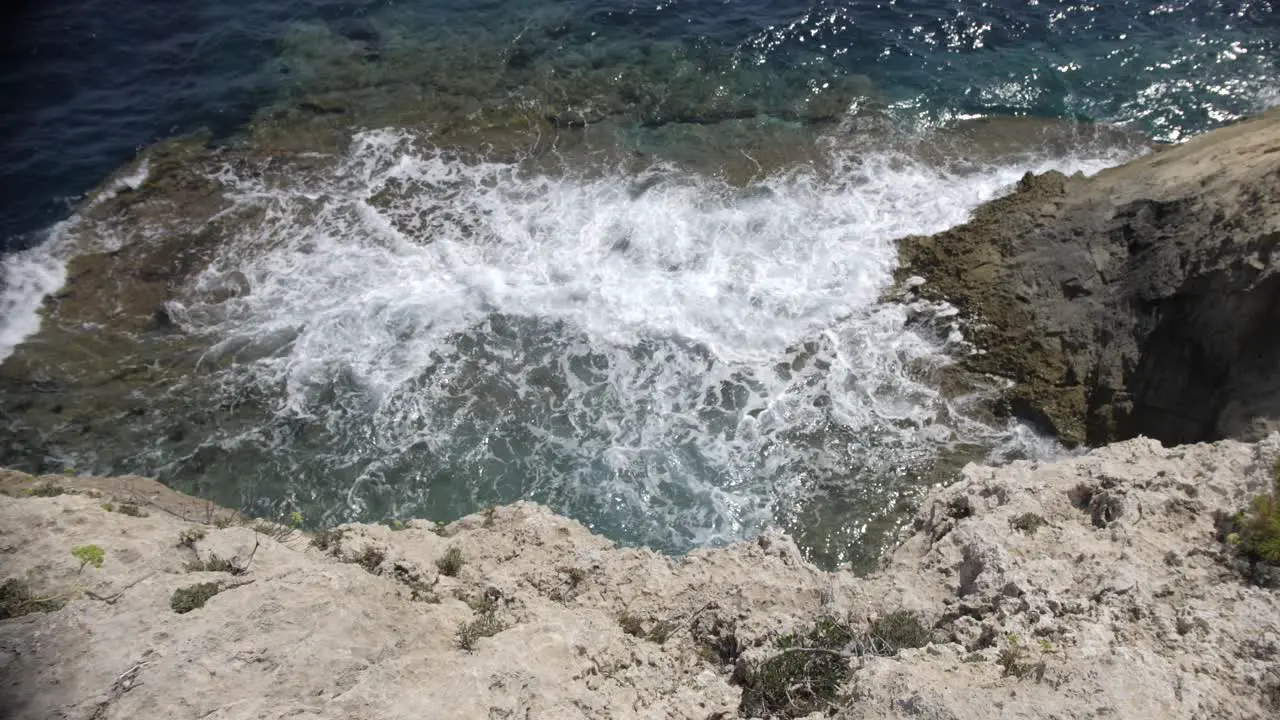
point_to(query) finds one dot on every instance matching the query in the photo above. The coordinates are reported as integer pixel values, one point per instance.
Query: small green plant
(803, 677)
(89, 555)
(1013, 660)
(575, 575)
(295, 520)
(486, 624)
(1028, 523)
(899, 630)
(193, 597)
(44, 490)
(189, 537)
(452, 561)
(806, 674)
(16, 600)
(397, 525)
(109, 507)
(1256, 531)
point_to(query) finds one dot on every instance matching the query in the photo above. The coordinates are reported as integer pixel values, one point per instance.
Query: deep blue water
(87, 83)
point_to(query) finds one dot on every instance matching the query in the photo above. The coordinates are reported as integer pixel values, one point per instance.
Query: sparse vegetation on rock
(189, 537)
(486, 624)
(371, 559)
(452, 561)
(631, 624)
(695, 637)
(327, 540)
(897, 631)
(213, 564)
(654, 630)
(1256, 531)
(276, 531)
(807, 672)
(16, 600)
(804, 676)
(193, 597)
(1028, 523)
(45, 490)
(1015, 662)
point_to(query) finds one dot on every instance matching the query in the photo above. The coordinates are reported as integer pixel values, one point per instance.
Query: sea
(672, 318)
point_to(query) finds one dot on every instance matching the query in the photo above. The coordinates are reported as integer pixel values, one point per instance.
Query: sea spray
(26, 278)
(670, 358)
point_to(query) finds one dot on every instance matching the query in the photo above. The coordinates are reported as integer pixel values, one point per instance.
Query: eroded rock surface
(1091, 587)
(1141, 301)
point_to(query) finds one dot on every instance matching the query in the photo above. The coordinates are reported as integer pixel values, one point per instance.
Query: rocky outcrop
(1092, 587)
(1141, 301)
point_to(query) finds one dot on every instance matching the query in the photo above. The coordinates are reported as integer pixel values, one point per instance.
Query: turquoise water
(665, 321)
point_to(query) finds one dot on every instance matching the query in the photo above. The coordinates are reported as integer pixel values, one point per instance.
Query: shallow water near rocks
(624, 261)
(675, 359)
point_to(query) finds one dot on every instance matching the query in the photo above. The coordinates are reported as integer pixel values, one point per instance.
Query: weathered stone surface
(1140, 301)
(1116, 601)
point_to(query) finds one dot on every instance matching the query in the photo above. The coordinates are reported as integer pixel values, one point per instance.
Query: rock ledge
(1090, 587)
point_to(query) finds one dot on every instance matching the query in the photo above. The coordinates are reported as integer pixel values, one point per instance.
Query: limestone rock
(1091, 587)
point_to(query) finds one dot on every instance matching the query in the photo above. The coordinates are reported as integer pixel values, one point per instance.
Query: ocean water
(88, 83)
(669, 325)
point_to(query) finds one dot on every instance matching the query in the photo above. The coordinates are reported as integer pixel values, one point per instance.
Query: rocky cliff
(1141, 301)
(1093, 587)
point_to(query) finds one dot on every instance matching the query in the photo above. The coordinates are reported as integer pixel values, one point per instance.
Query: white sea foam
(125, 181)
(669, 357)
(26, 278)
(29, 276)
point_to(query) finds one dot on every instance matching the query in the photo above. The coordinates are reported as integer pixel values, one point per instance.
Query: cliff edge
(1098, 586)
